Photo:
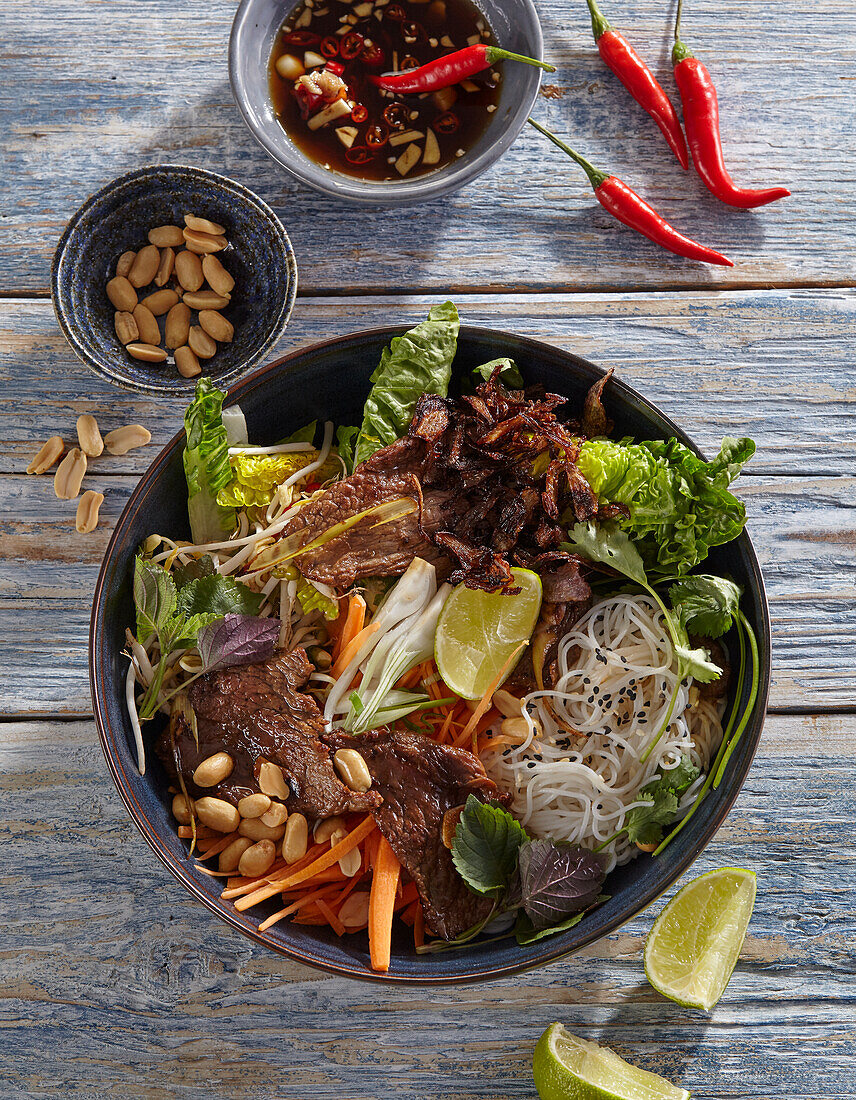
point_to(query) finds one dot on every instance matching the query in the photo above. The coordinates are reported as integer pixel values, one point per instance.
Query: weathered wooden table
(113, 982)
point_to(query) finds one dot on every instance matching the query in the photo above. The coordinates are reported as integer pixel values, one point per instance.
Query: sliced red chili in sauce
(446, 123)
(413, 30)
(372, 53)
(395, 116)
(359, 154)
(301, 38)
(352, 46)
(329, 46)
(359, 113)
(377, 136)
(408, 62)
(395, 13)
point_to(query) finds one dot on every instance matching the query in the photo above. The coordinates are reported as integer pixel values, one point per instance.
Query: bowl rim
(171, 386)
(433, 185)
(549, 951)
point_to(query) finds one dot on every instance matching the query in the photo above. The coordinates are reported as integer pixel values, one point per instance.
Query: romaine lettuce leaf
(418, 362)
(206, 465)
(679, 504)
(256, 477)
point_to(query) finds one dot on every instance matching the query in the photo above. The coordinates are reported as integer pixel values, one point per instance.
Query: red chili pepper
(395, 13)
(377, 136)
(631, 209)
(701, 118)
(335, 68)
(619, 56)
(442, 72)
(329, 46)
(301, 38)
(359, 154)
(372, 53)
(352, 46)
(447, 123)
(396, 115)
(359, 113)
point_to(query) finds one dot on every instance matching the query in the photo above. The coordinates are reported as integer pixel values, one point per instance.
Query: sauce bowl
(516, 27)
(330, 381)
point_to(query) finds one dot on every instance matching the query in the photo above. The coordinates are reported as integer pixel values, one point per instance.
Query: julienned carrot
(419, 928)
(354, 622)
(350, 650)
(277, 886)
(382, 898)
(332, 919)
(323, 891)
(487, 698)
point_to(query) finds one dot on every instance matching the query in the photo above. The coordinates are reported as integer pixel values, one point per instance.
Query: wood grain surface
(89, 91)
(113, 982)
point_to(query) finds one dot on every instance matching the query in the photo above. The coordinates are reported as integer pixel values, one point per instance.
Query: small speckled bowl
(118, 218)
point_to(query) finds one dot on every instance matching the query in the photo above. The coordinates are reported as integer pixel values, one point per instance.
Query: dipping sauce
(327, 48)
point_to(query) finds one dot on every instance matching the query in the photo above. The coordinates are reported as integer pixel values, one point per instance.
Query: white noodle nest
(581, 776)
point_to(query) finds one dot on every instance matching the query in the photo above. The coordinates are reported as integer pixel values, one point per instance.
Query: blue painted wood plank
(148, 84)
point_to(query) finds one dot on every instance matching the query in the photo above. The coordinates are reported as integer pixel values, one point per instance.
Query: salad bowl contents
(439, 690)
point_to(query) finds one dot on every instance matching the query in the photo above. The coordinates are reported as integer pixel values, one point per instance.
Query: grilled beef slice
(419, 781)
(256, 712)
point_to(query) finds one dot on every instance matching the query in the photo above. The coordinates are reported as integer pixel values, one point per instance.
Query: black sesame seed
(586, 679)
(531, 764)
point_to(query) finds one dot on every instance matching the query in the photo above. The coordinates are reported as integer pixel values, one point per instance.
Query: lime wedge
(568, 1068)
(477, 633)
(692, 948)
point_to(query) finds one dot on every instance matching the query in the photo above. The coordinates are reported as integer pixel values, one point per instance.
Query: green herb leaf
(193, 570)
(155, 597)
(644, 824)
(218, 595)
(206, 465)
(509, 373)
(679, 504)
(705, 604)
(608, 544)
(525, 931)
(697, 663)
(557, 879)
(485, 847)
(418, 362)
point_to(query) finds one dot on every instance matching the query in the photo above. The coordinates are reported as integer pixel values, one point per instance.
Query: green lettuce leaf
(418, 362)
(257, 477)
(313, 600)
(679, 504)
(509, 373)
(705, 604)
(206, 465)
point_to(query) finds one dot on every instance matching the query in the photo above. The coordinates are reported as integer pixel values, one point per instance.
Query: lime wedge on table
(568, 1068)
(692, 948)
(477, 632)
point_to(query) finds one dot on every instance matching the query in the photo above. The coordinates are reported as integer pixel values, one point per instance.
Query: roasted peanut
(213, 770)
(200, 243)
(177, 326)
(188, 271)
(507, 704)
(49, 453)
(125, 326)
(254, 805)
(254, 827)
(277, 814)
(351, 862)
(89, 436)
(219, 279)
(518, 727)
(187, 363)
(203, 225)
(147, 326)
(122, 440)
(205, 299)
(86, 519)
(165, 236)
(122, 294)
(354, 910)
(217, 814)
(353, 769)
(161, 301)
(216, 325)
(450, 824)
(272, 781)
(296, 838)
(146, 353)
(123, 264)
(145, 266)
(257, 859)
(326, 829)
(230, 857)
(181, 809)
(69, 474)
(166, 267)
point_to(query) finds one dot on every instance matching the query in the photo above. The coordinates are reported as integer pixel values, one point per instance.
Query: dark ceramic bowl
(330, 381)
(516, 27)
(118, 218)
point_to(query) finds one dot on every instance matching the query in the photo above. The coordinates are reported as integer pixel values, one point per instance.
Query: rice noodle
(577, 780)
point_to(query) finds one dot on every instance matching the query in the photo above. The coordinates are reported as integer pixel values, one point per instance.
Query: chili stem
(596, 177)
(494, 53)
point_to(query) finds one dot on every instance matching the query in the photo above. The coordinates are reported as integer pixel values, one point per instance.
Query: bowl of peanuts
(170, 271)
